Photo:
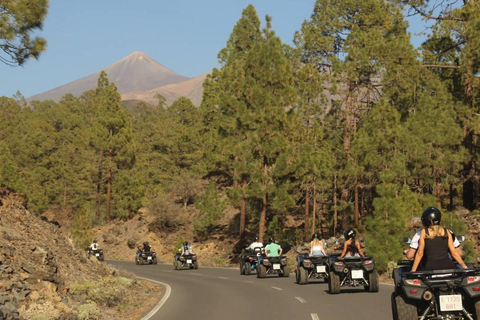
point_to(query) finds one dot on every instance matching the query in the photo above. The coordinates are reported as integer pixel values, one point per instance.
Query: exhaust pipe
(427, 295)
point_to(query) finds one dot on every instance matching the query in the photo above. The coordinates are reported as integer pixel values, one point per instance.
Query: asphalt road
(222, 293)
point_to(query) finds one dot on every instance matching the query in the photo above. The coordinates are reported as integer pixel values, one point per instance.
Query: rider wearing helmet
(146, 247)
(435, 243)
(186, 248)
(94, 246)
(351, 247)
(255, 245)
(316, 246)
(435, 216)
(272, 249)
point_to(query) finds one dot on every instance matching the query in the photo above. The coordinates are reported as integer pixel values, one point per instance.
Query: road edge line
(168, 290)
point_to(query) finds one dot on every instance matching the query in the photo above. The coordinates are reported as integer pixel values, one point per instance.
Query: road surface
(223, 294)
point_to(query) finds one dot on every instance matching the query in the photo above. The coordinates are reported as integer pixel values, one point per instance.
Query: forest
(351, 127)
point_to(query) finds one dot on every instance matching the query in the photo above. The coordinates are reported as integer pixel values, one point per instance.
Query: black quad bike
(273, 265)
(353, 272)
(149, 257)
(185, 261)
(97, 253)
(439, 294)
(249, 261)
(312, 268)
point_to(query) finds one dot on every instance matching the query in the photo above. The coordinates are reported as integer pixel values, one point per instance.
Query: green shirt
(272, 250)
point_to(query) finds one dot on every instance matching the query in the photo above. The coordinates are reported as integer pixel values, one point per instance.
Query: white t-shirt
(254, 245)
(416, 238)
(94, 246)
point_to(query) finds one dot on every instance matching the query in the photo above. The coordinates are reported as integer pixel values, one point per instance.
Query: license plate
(321, 269)
(149, 258)
(189, 260)
(276, 266)
(97, 254)
(357, 274)
(451, 302)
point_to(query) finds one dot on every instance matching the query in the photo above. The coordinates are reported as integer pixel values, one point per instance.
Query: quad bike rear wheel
(405, 309)
(242, 268)
(302, 275)
(195, 264)
(285, 272)
(155, 261)
(477, 310)
(261, 271)
(248, 268)
(334, 283)
(372, 282)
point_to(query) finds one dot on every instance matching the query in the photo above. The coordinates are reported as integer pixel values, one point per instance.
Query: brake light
(414, 291)
(414, 282)
(473, 279)
(476, 288)
(339, 263)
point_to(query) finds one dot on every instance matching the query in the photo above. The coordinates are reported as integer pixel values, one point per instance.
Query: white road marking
(277, 288)
(301, 299)
(166, 270)
(197, 274)
(315, 316)
(248, 281)
(168, 290)
(223, 278)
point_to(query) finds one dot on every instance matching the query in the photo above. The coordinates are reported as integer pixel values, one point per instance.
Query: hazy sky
(183, 35)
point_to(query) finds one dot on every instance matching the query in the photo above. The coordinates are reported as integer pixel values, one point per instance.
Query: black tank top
(436, 253)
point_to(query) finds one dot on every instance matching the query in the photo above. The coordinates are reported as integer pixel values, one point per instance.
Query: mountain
(136, 72)
(191, 88)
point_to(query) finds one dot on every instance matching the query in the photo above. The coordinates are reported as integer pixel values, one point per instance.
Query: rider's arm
(344, 252)
(311, 248)
(419, 255)
(359, 247)
(454, 252)
(280, 251)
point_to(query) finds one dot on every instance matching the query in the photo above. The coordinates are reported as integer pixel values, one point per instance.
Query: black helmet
(431, 216)
(255, 239)
(145, 243)
(271, 240)
(94, 240)
(349, 233)
(315, 236)
(185, 243)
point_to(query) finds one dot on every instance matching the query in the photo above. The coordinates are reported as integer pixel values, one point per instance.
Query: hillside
(44, 276)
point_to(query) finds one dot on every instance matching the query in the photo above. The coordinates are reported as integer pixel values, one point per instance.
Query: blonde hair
(317, 241)
(435, 231)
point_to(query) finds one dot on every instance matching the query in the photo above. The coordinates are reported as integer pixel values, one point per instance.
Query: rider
(146, 247)
(351, 247)
(316, 246)
(410, 253)
(186, 248)
(94, 246)
(255, 245)
(272, 249)
(435, 242)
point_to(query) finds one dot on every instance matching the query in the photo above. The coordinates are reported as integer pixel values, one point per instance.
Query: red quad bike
(452, 294)
(353, 272)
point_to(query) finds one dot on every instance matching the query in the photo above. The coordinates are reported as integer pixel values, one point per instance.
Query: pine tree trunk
(263, 215)
(243, 205)
(307, 213)
(314, 210)
(335, 213)
(109, 185)
(99, 186)
(468, 169)
(357, 210)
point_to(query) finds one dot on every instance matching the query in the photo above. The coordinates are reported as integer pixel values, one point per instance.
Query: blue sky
(183, 35)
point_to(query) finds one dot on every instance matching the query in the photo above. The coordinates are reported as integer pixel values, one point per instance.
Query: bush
(167, 215)
(89, 311)
(211, 208)
(109, 291)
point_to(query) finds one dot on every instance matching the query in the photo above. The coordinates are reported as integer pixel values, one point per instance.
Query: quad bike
(312, 268)
(272, 265)
(97, 253)
(439, 294)
(353, 272)
(185, 261)
(249, 261)
(148, 257)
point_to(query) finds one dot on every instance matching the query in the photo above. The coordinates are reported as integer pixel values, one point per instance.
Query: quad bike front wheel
(302, 275)
(248, 268)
